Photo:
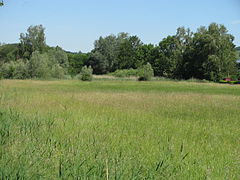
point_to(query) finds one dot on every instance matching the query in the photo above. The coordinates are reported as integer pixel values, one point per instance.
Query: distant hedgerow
(125, 72)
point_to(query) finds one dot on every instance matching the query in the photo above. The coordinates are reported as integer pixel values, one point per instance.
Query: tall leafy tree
(104, 56)
(98, 62)
(146, 53)
(33, 40)
(77, 61)
(127, 56)
(211, 54)
(170, 54)
(168, 57)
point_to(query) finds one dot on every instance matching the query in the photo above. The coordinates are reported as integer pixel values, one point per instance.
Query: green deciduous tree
(211, 55)
(127, 56)
(104, 57)
(170, 54)
(146, 53)
(9, 52)
(114, 52)
(33, 40)
(76, 62)
(169, 57)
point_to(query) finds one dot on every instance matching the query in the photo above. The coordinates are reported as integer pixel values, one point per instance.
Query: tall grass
(119, 130)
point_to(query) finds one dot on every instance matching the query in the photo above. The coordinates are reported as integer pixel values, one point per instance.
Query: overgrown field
(119, 130)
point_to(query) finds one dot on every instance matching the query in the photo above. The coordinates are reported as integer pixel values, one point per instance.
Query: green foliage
(114, 52)
(15, 70)
(127, 56)
(103, 57)
(125, 73)
(52, 64)
(168, 57)
(21, 69)
(145, 73)
(8, 52)
(86, 73)
(98, 62)
(76, 62)
(39, 65)
(58, 71)
(145, 53)
(33, 40)
(207, 54)
(58, 56)
(211, 55)
(7, 70)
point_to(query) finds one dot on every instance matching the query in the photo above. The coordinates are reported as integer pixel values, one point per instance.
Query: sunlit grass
(119, 130)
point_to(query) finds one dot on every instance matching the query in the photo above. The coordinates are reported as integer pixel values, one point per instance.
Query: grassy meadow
(119, 130)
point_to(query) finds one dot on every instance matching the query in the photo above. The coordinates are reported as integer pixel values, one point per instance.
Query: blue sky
(76, 24)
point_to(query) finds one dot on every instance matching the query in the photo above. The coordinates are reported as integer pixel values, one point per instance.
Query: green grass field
(119, 130)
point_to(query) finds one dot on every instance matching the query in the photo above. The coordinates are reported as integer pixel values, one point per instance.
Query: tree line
(209, 53)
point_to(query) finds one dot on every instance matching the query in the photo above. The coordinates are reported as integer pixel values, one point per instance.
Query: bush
(39, 65)
(21, 70)
(145, 73)
(86, 74)
(7, 70)
(57, 71)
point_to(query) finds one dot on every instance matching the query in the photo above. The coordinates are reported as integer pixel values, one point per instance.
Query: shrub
(57, 71)
(21, 70)
(8, 69)
(39, 65)
(15, 70)
(145, 73)
(86, 73)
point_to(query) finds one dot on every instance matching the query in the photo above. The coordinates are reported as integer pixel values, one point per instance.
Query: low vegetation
(118, 130)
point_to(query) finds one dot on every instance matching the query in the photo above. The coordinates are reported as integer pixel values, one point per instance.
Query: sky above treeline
(76, 24)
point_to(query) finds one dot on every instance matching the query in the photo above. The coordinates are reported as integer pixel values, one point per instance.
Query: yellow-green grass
(119, 130)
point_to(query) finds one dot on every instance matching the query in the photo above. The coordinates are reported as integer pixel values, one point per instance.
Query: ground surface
(119, 130)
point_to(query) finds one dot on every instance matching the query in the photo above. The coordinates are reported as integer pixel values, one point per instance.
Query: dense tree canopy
(208, 54)
(211, 55)
(32, 58)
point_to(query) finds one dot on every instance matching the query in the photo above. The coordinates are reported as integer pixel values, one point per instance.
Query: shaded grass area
(119, 130)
